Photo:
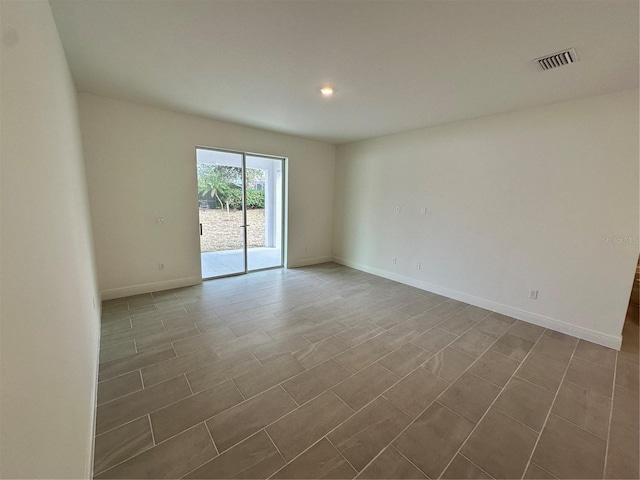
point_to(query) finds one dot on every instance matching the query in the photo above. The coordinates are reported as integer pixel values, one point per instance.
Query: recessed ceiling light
(326, 91)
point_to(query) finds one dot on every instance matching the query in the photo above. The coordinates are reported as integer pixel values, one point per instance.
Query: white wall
(141, 164)
(515, 202)
(50, 328)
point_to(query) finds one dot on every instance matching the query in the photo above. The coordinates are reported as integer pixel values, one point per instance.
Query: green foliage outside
(223, 183)
(255, 199)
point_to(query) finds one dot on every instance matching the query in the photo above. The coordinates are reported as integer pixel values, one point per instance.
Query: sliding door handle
(201, 229)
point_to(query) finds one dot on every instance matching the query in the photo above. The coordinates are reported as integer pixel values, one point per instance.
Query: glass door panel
(264, 209)
(221, 212)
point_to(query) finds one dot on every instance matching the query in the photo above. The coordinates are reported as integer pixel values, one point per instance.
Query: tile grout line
(404, 456)
(289, 395)
(553, 402)
(275, 446)
(475, 426)
(475, 464)
(608, 440)
(211, 437)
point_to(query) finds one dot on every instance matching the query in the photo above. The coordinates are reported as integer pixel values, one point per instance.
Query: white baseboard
(309, 261)
(149, 287)
(558, 325)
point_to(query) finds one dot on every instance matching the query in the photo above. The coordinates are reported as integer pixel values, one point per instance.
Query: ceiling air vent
(565, 57)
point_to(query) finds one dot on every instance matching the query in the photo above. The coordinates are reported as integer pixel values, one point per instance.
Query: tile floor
(327, 372)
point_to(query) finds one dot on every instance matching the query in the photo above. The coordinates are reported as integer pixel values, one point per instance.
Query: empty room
(319, 239)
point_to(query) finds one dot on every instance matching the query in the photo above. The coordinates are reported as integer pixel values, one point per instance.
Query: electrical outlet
(161, 266)
(398, 209)
(394, 261)
(533, 294)
(159, 219)
(423, 211)
(418, 265)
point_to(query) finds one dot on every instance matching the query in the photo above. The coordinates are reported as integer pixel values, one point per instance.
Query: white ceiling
(395, 65)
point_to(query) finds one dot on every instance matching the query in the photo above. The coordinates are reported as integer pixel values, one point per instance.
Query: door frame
(283, 214)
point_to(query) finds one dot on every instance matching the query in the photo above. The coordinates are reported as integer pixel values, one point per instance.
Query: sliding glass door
(240, 204)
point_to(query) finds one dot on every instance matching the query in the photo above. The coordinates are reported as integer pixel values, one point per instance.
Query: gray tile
(192, 410)
(584, 407)
(541, 371)
(526, 331)
(457, 324)
(218, 372)
(365, 385)
(627, 374)
(423, 322)
(568, 451)
(266, 376)
(494, 327)
(171, 459)
(130, 334)
(474, 313)
(315, 381)
(535, 472)
(561, 337)
(495, 367)
(360, 333)
(232, 347)
(321, 461)
(473, 343)
(434, 340)
(404, 359)
(449, 363)
(448, 308)
(119, 386)
(433, 439)
(273, 350)
(301, 428)
(300, 327)
(555, 348)
(623, 458)
(116, 351)
(325, 330)
(525, 402)
(363, 435)
(121, 443)
(162, 338)
(461, 467)
(397, 336)
(320, 351)
(391, 464)
(625, 407)
(112, 327)
(416, 391)
(603, 356)
(133, 362)
(256, 457)
(500, 446)
(176, 366)
(124, 409)
(591, 376)
(512, 346)
(237, 423)
(211, 337)
(361, 356)
(469, 396)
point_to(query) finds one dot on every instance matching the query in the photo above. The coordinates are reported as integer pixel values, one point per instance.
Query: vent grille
(565, 57)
